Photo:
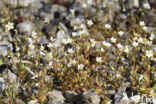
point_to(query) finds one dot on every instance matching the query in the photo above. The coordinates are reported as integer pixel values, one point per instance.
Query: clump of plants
(96, 55)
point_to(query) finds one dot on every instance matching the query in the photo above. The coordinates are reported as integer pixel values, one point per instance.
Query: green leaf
(1, 62)
(101, 84)
(145, 77)
(112, 67)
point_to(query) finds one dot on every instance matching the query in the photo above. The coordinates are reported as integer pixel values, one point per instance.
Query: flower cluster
(10, 26)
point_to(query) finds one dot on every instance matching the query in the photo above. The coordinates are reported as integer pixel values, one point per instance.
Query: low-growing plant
(98, 54)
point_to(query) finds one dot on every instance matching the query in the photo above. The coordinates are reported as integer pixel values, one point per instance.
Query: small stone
(121, 98)
(4, 47)
(19, 101)
(65, 1)
(152, 21)
(55, 97)
(16, 3)
(33, 102)
(52, 12)
(122, 89)
(110, 92)
(48, 79)
(58, 11)
(43, 40)
(91, 97)
(36, 5)
(109, 102)
(5, 36)
(12, 77)
(51, 27)
(72, 96)
(1, 4)
(59, 37)
(2, 84)
(75, 21)
(112, 57)
(98, 45)
(25, 28)
(135, 99)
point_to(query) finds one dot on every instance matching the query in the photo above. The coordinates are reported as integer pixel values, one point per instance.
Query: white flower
(30, 41)
(84, 5)
(69, 40)
(102, 50)
(90, 2)
(83, 26)
(148, 43)
(120, 46)
(78, 47)
(50, 54)
(140, 77)
(18, 48)
(107, 26)
(10, 26)
(135, 38)
(142, 23)
(46, 20)
(34, 34)
(52, 39)
(147, 6)
(65, 54)
(42, 53)
(42, 47)
(16, 31)
(149, 53)
(89, 23)
(113, 40)
(31, 46)
(72, 12)
(80, 66)
(145, 28)
(103, 4)
(75, 27)
(127, 49)
(83, 32)
(152, 36)
(69, 65)
(120, 33)
(98, 59)
(106, 44)
(135, 44)
(74, 62)
(92, 41)
(140, 40)
(74, 34)
(70, 50)
(50, 45)
(66, 41)
(50, 63)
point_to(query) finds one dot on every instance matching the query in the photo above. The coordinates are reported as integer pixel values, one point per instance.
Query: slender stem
(134, 68)
(147, 72)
